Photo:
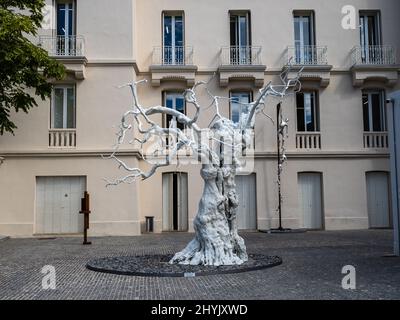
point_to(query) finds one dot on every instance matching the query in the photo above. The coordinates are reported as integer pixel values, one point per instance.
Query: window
(307, 112)
(240, 38)
(238, 105)
(63, 107)
(174, 101)
(173, 39)
(374, 111)
(370, 36)
(65, 27)
(304, 39)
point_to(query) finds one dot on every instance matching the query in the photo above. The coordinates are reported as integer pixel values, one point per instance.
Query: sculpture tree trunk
(217, 241)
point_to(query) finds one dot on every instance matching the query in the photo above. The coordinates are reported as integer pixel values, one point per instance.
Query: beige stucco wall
(207, 27)
(119, 39)
(114, 211)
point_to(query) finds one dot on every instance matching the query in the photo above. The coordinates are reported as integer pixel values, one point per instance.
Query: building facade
(337, 173)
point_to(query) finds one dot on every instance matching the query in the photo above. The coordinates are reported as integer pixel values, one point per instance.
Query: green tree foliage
(23, 65)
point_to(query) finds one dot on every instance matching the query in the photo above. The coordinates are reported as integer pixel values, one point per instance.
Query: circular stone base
(283, 230)
(158, 266)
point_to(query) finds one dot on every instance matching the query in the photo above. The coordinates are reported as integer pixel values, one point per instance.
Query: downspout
(394, 144)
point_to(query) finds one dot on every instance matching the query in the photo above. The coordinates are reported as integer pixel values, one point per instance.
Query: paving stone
(311, 268)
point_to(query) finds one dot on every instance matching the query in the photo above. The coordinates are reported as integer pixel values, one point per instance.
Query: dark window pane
(235, 112)
(300, 120)
(365, 112)
(167, 30)
(316, 111)
(306, 31)
(233, 30)
(238, 107)
(177, 102)
(58, 109)
(180, 106)
(309, 111)
(70, 108)
(61, 19)
(376, 112)
(297, 30)
(300, 111)
(178, 31)
(243, 31)
(70, 20)
(372, 36)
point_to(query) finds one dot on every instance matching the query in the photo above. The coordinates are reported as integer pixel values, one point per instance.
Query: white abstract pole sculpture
(216, 240)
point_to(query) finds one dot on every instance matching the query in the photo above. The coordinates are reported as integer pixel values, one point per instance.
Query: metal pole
(278, 143)
(394, 143)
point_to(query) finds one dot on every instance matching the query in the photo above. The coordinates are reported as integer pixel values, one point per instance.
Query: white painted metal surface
(58, 201)
(247, 210)
(310, 200)
(378, 199)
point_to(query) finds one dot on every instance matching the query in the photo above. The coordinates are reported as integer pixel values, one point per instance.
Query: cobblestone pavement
(311, 269)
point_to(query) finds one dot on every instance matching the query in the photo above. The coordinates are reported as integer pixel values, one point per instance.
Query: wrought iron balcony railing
(172, 56)
(373, 55)
(240, 55)
(63, 46)
(307, 55)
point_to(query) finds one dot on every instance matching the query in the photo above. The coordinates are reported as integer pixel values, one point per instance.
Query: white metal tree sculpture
(216, 240)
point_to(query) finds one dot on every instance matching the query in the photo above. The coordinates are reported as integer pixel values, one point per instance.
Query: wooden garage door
(310, 200)
(58, 201)
(378, 199)
(247, 210)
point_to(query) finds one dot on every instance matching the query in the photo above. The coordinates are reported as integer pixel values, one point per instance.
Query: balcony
(70, 50)
(62, 138)
(313, 60)
(307, 55)
(376, 140)
(172, 64)
(241, 63)
(308, 141)
(374, 64)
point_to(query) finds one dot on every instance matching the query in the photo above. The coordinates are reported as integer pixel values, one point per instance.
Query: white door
(247, 210)
(378, 199)
(310, 200)
(58, 202)
(175, 201)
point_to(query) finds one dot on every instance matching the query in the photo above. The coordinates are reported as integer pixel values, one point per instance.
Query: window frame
(69, 2)
(164, 99)
(174, 57)
(65, 88)
(305, 14)
(231, 95)
(240, 13)
(363, 24)
(316, 112)
(382, 109)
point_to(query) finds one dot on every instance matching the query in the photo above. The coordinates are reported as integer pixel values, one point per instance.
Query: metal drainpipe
(394, 144)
